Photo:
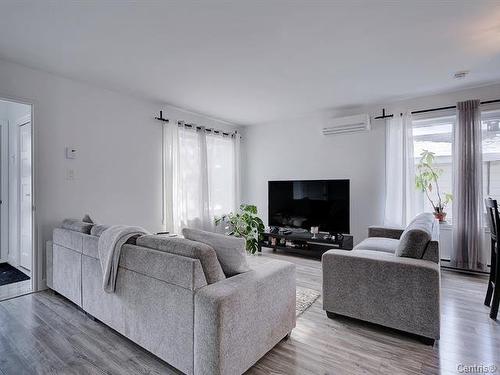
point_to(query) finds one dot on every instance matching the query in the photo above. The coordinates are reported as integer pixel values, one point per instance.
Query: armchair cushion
(415, 237)
(387, 245)
(387, 232)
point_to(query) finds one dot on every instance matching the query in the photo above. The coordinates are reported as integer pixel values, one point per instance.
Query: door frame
(4, 193)
(37, 283)
(21, 121)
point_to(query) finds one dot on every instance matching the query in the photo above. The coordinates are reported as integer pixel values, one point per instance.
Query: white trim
(4, 193)
(37, 283)
(22, 121)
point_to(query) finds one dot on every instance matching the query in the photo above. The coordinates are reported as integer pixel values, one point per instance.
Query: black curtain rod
(208, 130)
(450, 107)
(161, 117)
(193, 126)
(431, 109)
(383, 115)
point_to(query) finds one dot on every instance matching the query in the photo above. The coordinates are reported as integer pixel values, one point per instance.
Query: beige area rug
(305, 298)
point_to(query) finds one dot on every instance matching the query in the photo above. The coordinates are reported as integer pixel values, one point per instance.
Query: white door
(25, 199)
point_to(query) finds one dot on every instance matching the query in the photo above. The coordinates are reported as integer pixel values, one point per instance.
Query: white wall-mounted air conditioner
(349, 124)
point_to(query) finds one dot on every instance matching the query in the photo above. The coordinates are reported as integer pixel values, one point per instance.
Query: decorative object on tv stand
(314, 232)
(426, 180)
(244, 223)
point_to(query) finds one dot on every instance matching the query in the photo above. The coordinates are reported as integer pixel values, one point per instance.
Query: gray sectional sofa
(169, 301)
(392, 278)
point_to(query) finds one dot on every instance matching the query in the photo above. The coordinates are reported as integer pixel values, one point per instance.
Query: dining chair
(493, 292)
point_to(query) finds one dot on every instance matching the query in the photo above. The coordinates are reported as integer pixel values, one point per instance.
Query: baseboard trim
(463, 270)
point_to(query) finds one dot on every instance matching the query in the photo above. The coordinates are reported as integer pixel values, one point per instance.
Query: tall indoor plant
(426, 180)
(244, 223)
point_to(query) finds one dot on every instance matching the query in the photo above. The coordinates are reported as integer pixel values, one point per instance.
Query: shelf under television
(314, 247)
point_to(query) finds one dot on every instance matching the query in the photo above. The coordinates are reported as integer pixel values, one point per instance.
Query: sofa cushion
(87, 219)
(77, 225)
(386, 245)
(230, 250)
(182, 271)
(191, 249)
(415, 237)
(98, 229)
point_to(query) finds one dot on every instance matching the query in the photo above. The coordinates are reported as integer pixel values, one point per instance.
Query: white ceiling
(256, 61)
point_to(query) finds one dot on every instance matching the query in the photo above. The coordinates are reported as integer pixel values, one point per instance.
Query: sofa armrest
(387, 232)
(239, 319)
(432, 252)
(402, 293)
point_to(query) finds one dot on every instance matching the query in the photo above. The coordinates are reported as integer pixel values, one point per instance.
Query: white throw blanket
(110, 247)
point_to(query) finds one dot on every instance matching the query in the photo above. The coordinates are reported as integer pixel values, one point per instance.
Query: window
(221, 174)
(200, 178)
(436, 135)
(490, 125)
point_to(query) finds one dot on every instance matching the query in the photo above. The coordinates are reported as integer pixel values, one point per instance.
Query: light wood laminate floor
(44, 333)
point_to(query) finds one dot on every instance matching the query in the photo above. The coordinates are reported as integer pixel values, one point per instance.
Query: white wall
(118, 168)
(296, 149)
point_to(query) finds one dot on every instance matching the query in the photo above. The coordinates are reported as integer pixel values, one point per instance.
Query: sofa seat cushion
(386, 245)
(416, 237)
(230, 250)
(191, 249)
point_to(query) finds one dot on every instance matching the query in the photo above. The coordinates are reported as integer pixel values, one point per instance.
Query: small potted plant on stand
(426, 180)
(244, 223)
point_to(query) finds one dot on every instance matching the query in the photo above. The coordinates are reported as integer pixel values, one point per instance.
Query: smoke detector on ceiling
(461, 74)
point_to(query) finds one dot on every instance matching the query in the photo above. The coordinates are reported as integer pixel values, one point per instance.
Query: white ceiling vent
(349, 124)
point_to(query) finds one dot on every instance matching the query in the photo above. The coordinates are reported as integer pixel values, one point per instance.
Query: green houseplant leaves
(426, 180)
(244, 223)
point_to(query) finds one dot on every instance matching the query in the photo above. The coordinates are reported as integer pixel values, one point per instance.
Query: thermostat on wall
(70, 153)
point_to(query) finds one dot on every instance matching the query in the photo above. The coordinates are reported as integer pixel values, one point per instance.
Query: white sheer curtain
(400, 196)
(200, 177)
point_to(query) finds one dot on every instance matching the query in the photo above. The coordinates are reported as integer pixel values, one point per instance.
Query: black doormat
(9, 274)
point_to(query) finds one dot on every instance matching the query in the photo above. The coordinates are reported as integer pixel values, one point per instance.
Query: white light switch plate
(70, 174)
(70, 153)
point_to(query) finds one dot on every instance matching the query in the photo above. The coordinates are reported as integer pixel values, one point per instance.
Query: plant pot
(441, 216)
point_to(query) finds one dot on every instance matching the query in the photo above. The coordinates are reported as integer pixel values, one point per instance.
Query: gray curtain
(467, 188)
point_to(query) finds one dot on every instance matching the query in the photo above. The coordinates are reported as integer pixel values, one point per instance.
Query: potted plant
(244, 223)
(426, 180)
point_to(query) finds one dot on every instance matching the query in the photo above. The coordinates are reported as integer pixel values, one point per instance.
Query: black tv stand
(302, 243)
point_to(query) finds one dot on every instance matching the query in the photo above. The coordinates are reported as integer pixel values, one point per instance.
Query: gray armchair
(392, 278)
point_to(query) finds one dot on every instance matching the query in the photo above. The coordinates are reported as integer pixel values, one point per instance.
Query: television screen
(310, 203)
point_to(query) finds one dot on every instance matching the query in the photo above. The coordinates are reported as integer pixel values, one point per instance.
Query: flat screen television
(309, 203)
